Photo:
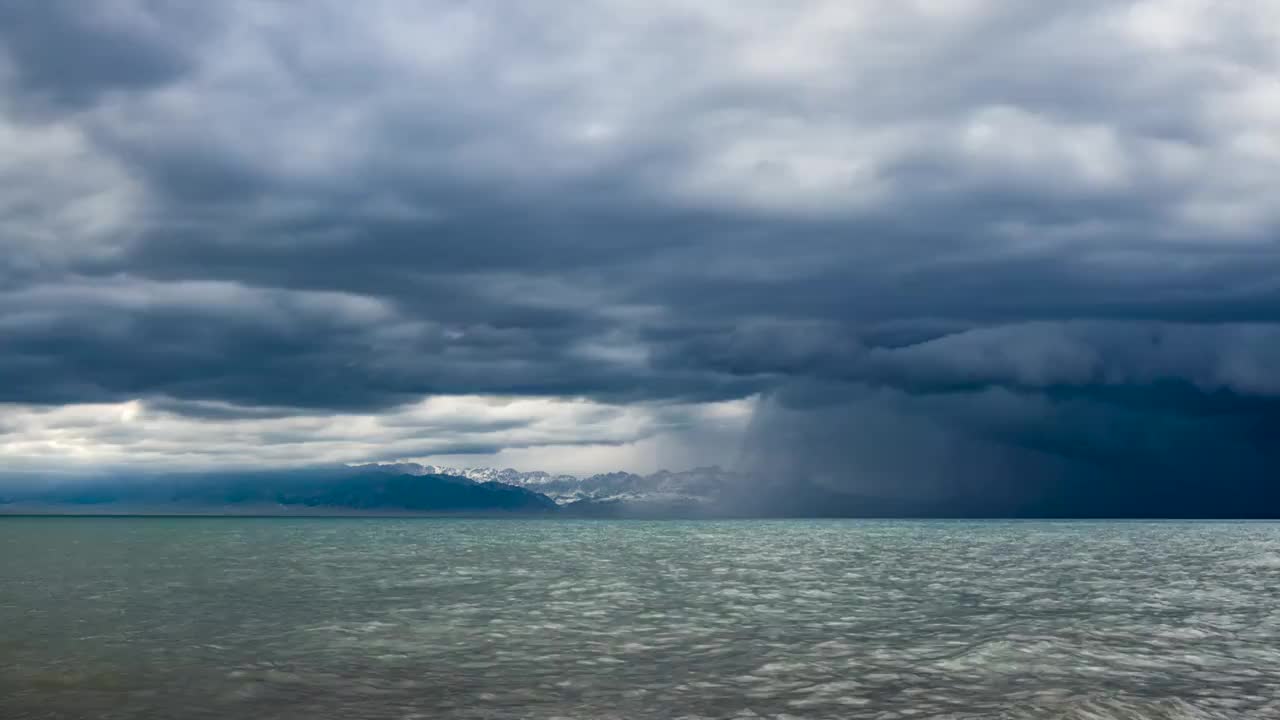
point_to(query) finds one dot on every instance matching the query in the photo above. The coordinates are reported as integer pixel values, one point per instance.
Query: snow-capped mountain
(703, 484)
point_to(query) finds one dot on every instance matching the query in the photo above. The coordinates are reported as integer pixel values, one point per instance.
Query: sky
(956, 248)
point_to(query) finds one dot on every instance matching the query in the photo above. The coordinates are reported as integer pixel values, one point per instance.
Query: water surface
(436, 618)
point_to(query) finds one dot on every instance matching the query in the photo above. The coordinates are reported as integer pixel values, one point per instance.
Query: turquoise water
(435, 618)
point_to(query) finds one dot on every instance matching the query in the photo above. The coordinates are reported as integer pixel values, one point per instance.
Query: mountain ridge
(315, 490)
(701, 485)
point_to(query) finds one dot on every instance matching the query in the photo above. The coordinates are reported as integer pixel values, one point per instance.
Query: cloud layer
(264, 221)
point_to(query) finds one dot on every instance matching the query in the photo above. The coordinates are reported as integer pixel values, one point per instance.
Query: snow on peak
(703, 483)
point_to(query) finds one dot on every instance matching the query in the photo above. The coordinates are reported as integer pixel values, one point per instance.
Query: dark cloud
(68, 54)
(995, 228)
(997, 452)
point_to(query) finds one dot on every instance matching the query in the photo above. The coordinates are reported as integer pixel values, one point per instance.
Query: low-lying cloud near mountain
(988, 255)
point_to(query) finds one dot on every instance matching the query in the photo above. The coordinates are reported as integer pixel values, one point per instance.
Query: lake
(444, 618)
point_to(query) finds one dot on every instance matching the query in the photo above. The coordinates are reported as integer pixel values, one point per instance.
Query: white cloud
(555, 434)
(61, 198)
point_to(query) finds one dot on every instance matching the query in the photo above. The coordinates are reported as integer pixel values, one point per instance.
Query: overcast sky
(595, 236)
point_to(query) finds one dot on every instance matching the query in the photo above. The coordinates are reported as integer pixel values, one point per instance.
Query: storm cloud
(955, 252)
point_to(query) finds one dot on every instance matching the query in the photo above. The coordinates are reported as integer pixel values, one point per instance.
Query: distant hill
(317, 491)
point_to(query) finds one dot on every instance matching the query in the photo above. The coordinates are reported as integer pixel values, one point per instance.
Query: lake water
(431, 618)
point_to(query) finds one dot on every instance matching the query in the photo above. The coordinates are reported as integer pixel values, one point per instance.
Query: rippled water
(380, 618)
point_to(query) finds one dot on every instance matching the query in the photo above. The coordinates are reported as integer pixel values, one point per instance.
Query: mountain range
(377, 488)
(703, 485)
(330, 490)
